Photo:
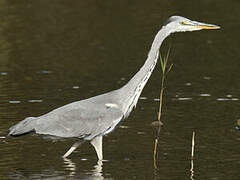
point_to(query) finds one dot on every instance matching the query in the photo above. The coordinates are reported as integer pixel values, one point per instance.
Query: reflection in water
(159, 124)
(70, 166)
(66, 50)
(192, 171)
(96, 173)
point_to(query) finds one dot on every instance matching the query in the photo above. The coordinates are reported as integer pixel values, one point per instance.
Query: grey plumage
(93, 115)
(24, 126)
(92, 118)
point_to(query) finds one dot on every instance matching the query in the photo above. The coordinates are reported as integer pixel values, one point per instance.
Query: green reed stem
(165, 70)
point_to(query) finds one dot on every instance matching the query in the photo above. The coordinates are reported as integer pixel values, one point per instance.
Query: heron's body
(92, 118)
(87, 114)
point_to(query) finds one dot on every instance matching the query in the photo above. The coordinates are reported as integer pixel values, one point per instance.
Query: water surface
(56, 52)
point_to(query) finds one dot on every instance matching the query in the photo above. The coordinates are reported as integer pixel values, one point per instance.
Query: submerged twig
(155, 153)
(192, 156)
(193, 145)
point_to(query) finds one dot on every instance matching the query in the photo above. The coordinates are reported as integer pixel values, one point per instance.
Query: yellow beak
(204, 25)
(208, 27)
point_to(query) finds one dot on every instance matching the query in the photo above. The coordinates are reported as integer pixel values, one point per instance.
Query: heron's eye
(183, 23)
(186, 23)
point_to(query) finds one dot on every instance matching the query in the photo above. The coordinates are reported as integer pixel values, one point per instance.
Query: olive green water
(55, 52)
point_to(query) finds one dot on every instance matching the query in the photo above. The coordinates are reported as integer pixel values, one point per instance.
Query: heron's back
(84, 119)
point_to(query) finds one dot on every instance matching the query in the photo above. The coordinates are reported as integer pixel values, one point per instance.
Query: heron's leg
(74, 146)
(97, 144)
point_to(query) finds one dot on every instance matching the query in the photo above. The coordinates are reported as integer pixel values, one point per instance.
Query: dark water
(55, 52)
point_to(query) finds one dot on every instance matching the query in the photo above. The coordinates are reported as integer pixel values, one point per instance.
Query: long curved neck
(132, 90)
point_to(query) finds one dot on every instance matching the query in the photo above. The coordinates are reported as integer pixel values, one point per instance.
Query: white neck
(132, 90)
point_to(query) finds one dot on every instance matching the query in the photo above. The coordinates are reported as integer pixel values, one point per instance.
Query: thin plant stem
(161, 100)
(164, 61)
(164, 72)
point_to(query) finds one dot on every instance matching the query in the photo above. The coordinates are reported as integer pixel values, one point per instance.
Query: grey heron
(90, 119)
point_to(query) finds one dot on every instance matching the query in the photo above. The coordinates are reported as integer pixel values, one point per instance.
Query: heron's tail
(25, 126)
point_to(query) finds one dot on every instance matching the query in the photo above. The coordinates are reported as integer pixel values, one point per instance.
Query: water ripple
(14, 102)
(35, 100)
(227, 99)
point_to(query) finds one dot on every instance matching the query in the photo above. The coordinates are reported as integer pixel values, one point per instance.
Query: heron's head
(181, 24)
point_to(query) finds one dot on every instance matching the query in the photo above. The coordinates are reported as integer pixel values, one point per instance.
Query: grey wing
(79, 122)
